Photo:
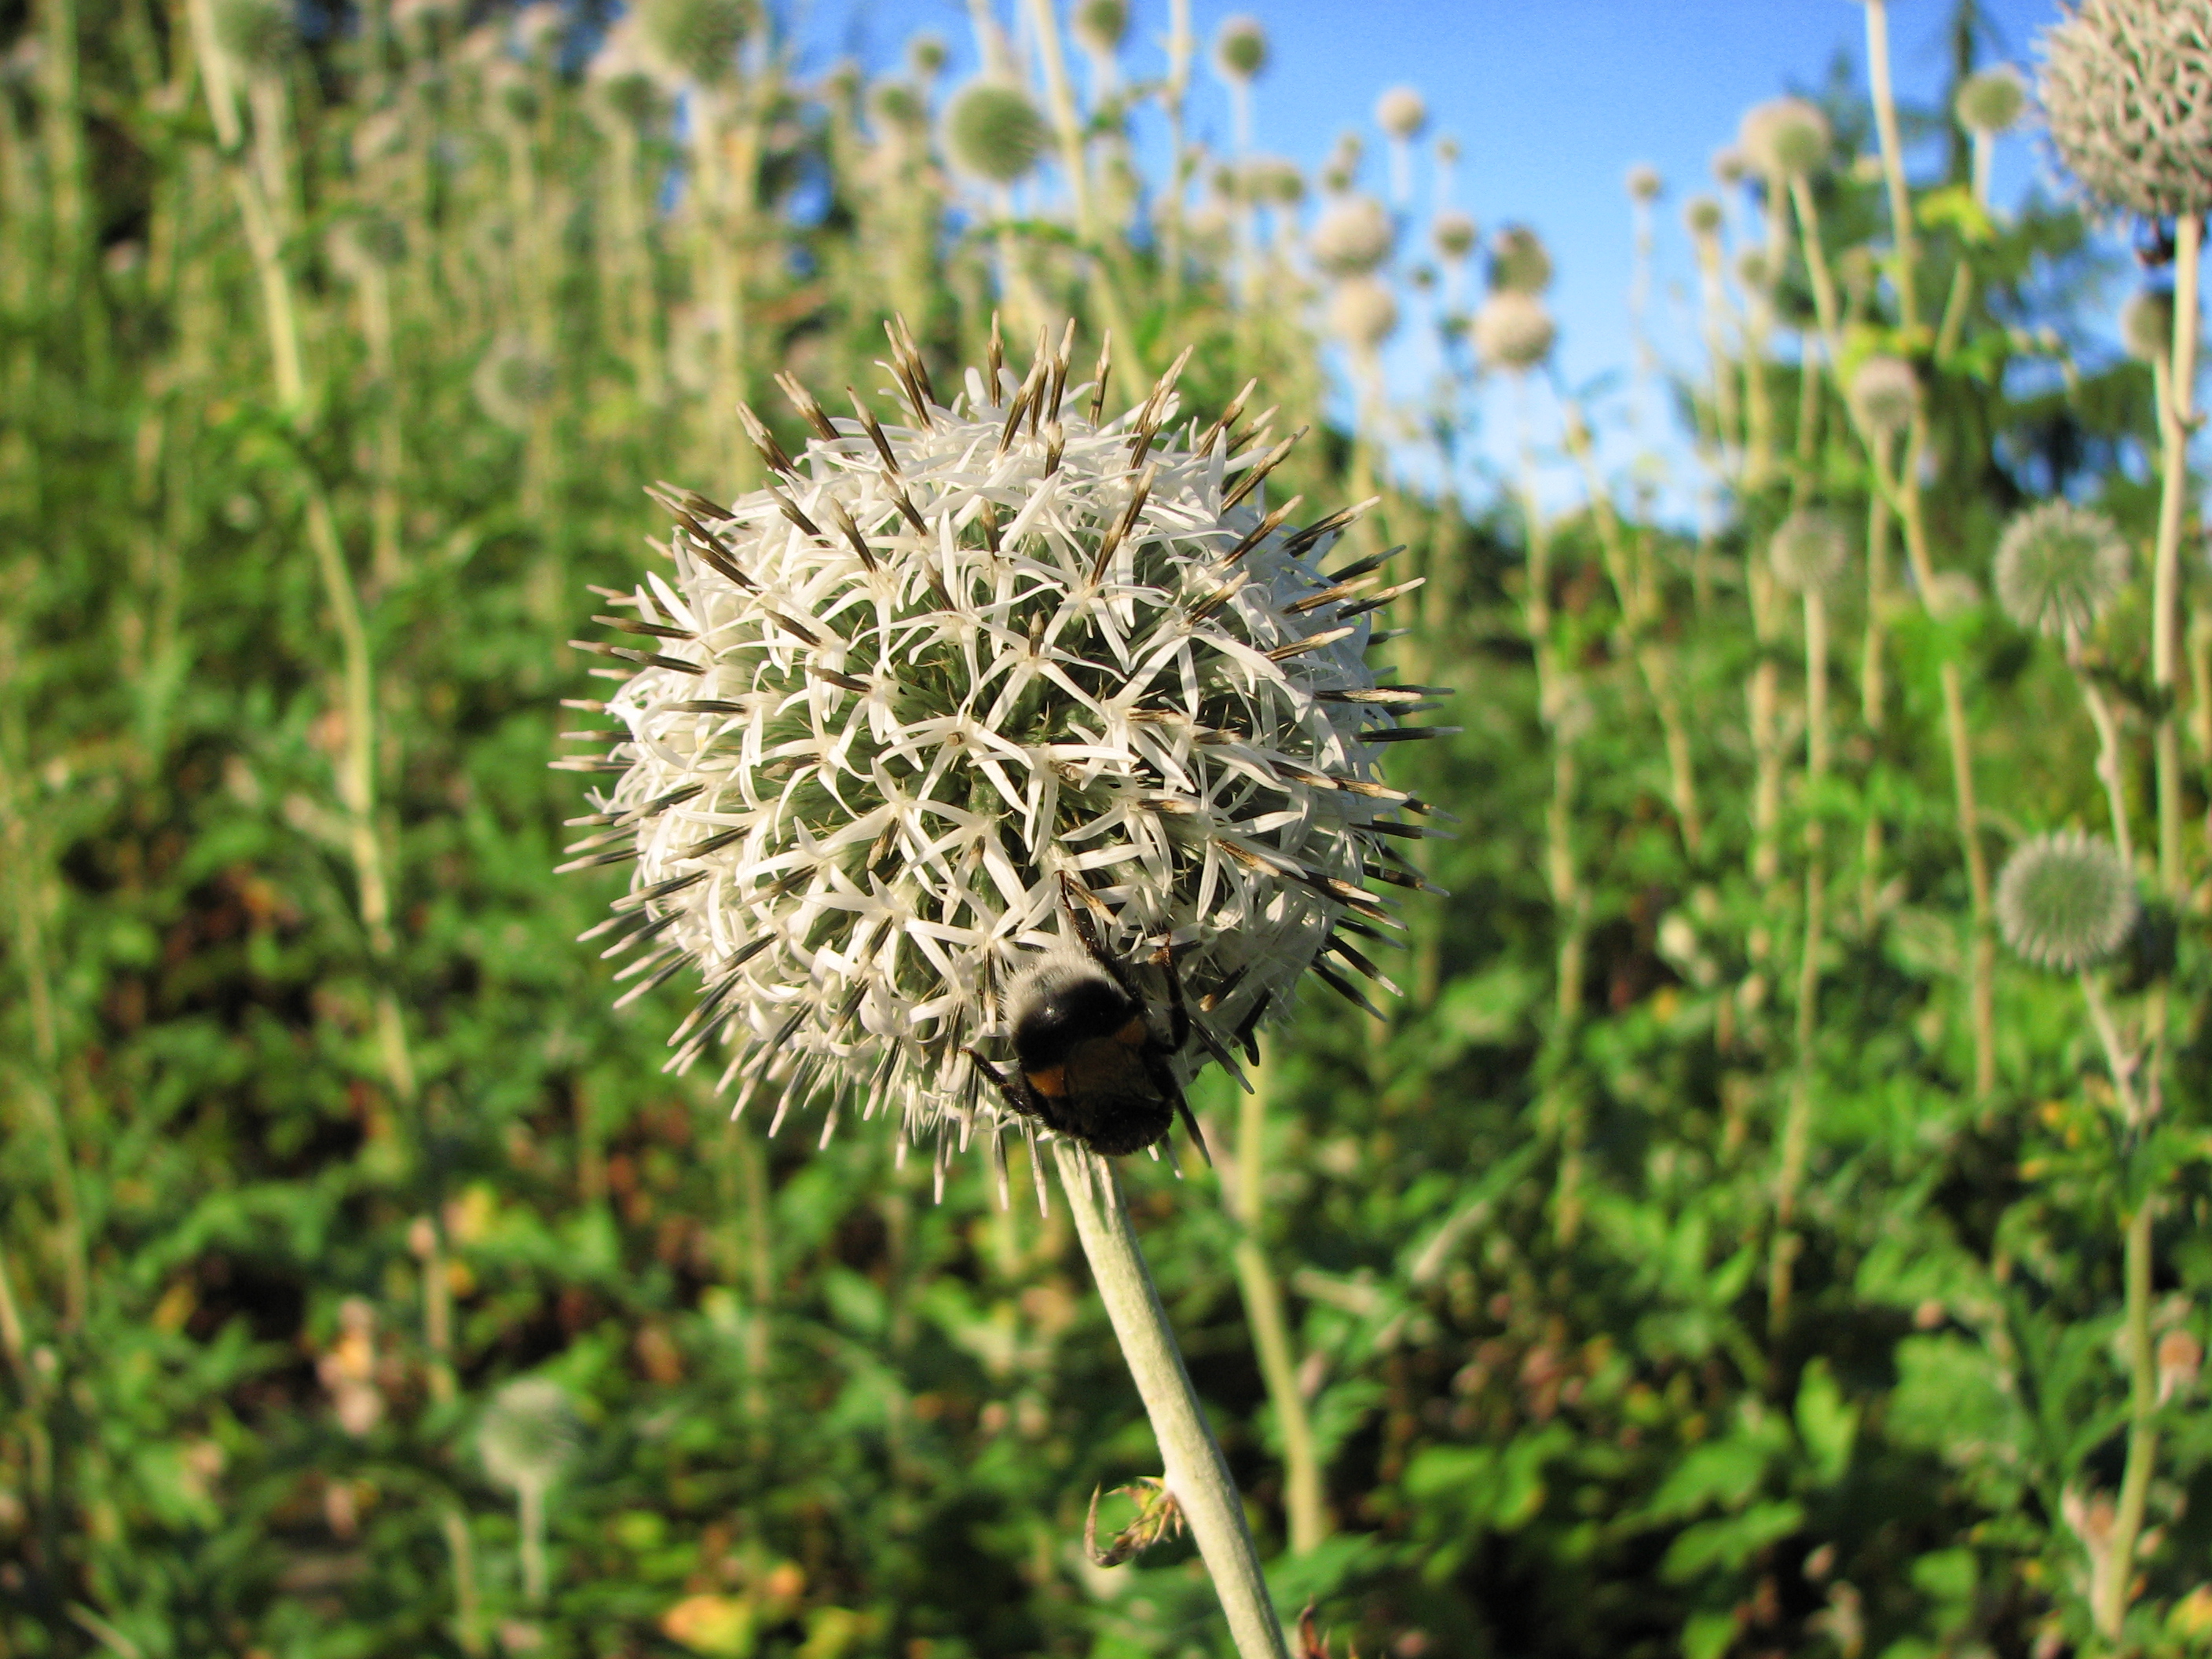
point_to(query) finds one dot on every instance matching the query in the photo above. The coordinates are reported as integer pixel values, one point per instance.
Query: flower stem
(1197, 1475)
(2112, 1605)
(1797, 1125)
(2176, 416)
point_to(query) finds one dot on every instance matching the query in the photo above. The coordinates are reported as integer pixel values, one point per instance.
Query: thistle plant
(528, 1436)
(947, 695)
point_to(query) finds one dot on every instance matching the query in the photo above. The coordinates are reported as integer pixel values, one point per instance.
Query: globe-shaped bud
(1362, 312)
(1403, 112)
(1454, 233)
(2126, 89)
(927, 55)
(1729, 167)
(1808, 550)
(513, 381)
(2147, 326)
(1753, 268)
(693, 42)
(529, 1433)
(1701, 217)
(1102, 25)
(1519, 262)
(954, 701)
(1644, 183)
(2064, 901)
(1353, 236)
(994, 131)
(1514, 331)
(896, 106)
(1991, 100)
(512, 90)
(259, 36)
(368, 241)
(539, 28)
(1885, 393)
(1240, 50)
(2058, 565)
(1275, 180)
(1784, 138)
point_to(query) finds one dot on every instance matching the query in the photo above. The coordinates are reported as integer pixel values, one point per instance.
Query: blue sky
(1550, 101)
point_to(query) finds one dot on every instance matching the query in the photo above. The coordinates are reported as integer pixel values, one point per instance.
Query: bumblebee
(1087, 1061)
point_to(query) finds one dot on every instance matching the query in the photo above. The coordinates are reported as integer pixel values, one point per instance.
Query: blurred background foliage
(339, 344)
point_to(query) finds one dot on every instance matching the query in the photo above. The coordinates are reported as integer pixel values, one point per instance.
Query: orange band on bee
(1051, 1083)
(1133, 1034)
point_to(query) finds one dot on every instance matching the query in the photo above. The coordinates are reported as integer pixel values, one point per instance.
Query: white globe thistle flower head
(1644, 183)
(2126, 90)
(513, 381)
(1701, 217)
(1808, 550)
(1403, 114)
(1885, 393)
(2058, 565)
(952, 700)
(1514, 331)
(1353, 236)
(2064, 901)
(994, 131)
(1784, 138)
(2146, 324)
(1991, 100)
(1363, 312)
(529, 1433)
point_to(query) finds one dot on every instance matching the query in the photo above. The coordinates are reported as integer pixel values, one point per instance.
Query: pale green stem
(1796, 1135)
(1305, 1501)
(1893, 158)
(1059, 95)
(2176, 416)
(530, 1500)
(2108, 764)
(1197, 1475)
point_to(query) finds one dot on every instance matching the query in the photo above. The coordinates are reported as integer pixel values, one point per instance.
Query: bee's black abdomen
(1065, 1010)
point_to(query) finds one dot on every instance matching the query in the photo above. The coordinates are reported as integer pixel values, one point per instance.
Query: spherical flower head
(2057, 567)
(1354, 236)
(1274, 179)
(1454, 233)
(1102, 25)
(1784, 138)
(896, 106)
(1403, 112)
(2146, 324)
(1729, 167)
(259, 36)
(2064, 901)
(2126, 89)
(1519, 262)
(1701, 217)
(1753, 268)
(1885, 393)
(620, 84)
(926, 56)
(513, 381)
(1362, 312)
(1991, 100)
(1808, 550)
(529, 1433)
(1644, 183)
(1514, 331)
(539, 28)
(369, 241)
(693, 42)
(1240, 50)
(901, 718)
(512, 90)
(994, 131)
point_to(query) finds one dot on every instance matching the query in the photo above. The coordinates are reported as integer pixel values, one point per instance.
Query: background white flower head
(884, 705)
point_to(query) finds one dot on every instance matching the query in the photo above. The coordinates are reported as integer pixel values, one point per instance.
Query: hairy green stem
(2176, 416)
(1797, 1126)
(1893, 159)
(1197, 1475)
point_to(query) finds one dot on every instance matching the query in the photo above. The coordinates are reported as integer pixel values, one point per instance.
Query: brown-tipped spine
(791, 511)
(851, 532)
(1256, 474)
(876, 436)
(809, 410)
(763, 441)
(1100, 375)
(1230, 417)
(1126, 522)
(1311, 537)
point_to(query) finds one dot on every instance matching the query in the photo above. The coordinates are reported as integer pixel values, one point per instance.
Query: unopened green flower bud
(1808, 550)
(1240, 50)
(2064, 901)
(1885, 393)
(1701, 217)
(1784, 138)
(1519, 262)
(994, 131)
(695, 41)
(1102, 25)
(1991, 100)
(926, 56)
(1454, 233)
(1644, 183)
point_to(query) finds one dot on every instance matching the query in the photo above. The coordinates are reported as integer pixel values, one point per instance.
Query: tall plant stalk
(1797, 1125)
(1197, 1475)
(2176, 416)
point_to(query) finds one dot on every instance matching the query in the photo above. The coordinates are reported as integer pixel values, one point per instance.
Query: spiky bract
(1352, 237)
(529, 1433)
(994, 131)
(896, 713)
(2064, 901)
(1514, 331)
(2057, 567)
(1808, 550)
(2126, 88)
(1784, 138)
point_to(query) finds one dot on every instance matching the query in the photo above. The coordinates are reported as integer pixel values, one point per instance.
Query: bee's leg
(1016, 1089)
(1078, 900)
(1170, 1090)
(1178, 1009)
